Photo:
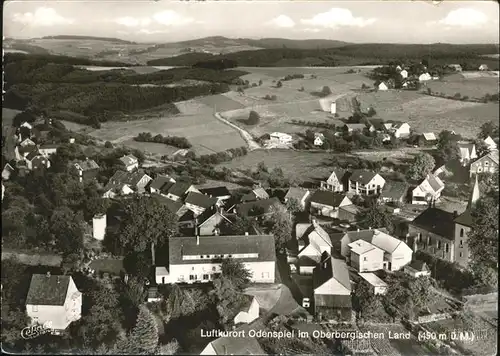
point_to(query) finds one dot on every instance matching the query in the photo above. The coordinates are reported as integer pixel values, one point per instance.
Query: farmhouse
(300, 195)
(175, 207)
(429, 190)
(136, 181)
(365, 182)
(113, 190)
(53, 301)
(209, 222)
(377, 285)
(198, 203)
(27, 142)
(381, 86)
(332, 290)
(485, 164)
(313, 241)
(483, 67)
(319, 139)
(86, 170)
(355, 127)
(424, 77)
(161, 184)
(130, 162)
(280, 137)
(490, 143)
(256, 194)
(48, 149)
(221, 193)
(326, 203)
(394, 192)
(35, 160)
(428, 138)
(198, 259)
(22, 151)
(7, 171)
(467, 152)
(258, 208)
(400, 130)
(337, 181)
(417, 269)
(396, 253)
(178, 190)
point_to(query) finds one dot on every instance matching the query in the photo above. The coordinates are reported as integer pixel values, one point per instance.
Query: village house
(234, 345)
(337, 181)
(427, 139)
(417, 269)
(198, 259)
(312, 241)
(377, 285)
(248, 310)
(161, 185)
(129, 162)
(178, 191)
(400, 130)
(467, 152)
(27, 142)
(444, 234)
(86, 170)
(176, 207)
(490, 143)
(198, 203)
(54, 301)
(7, 171)
(319, 139)
(126, 182)
(281, 137)
(395, 253)
(404, 74)
(485, 164)
(117, 189)
(35, 161)
(429, 190)
(483, 67)
(208, 223)
(332, 290)
(456, 67)
(394, 192)
(300, 195)
(326, 203)
(27, 125)
(365, 182)
(221, 193)
(256, 209)
(424, 77)
(21, 152)
(48, 149)
(382, 86)
(258, 193)
(350, 128)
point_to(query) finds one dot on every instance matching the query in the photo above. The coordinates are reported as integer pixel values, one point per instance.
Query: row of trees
(176, 141)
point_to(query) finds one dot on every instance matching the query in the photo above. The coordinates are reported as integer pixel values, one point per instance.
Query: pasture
(472, 87)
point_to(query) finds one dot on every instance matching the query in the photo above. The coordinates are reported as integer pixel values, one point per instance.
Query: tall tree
(375, 217)
(281, 225)
(236, 272)
(143, 338)
(146, 221)
(422, 165)
(448, 146)
(489, 128)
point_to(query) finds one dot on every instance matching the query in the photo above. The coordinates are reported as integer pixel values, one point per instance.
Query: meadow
(473, 87)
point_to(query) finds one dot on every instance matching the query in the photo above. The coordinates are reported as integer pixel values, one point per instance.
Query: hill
(92, 38)
(269, 43)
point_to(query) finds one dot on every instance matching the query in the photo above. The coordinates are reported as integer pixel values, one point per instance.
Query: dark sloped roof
(246, 301)
(122, 177)
(435, 182)
(238, 345)
(334, 268)
(49, 146)
(327, 198)
(159, 182)
(173, 206)
(221, 245)
(179, 189)
(216, 191)
(333, 301)
(246, 209)
(362, 176)
(47, 290)
(420, 266)
(394, 190)
(32, 155)
(187, 216)
(201, 200)
(87, 165)
(465, 218)
(437, 221)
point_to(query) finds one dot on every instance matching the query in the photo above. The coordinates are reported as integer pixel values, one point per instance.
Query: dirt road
(252, 145)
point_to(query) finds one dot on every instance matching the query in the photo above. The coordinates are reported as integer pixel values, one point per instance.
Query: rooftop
(160, 181)
(221, 191)
(362, 176)
(179, 189)
(394, 190)
(48, 289)
(373, 279)
(420, 266)
(256, 208)
(296, 193)
(328, 198)
(200, 200)
(361, 246)
(87, 165)
(129, 160)
(238, 345)
(437, 221)
(331, 268)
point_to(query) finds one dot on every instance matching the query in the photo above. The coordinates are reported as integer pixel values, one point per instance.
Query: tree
(135, 292)
(375, 217)
(281, 225)
(481, 148)
(293, 206)
(326, 91)
(143, 338)
(236, 272)
(279, 84)
(310, 136)
(448, 146)
(108, 144)
(66, 229)
(253, 118)
(422, 165)
(489, 128)
(146, 221)
(168, 349)
(179, 303)
(226, 297)
(260, 82)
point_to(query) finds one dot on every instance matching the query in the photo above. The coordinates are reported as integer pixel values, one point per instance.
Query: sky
(358, 21)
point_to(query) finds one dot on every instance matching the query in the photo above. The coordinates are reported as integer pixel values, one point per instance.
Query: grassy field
(472, 87)
(8, 115)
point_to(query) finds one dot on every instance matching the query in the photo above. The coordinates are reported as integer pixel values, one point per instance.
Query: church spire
(475, 195)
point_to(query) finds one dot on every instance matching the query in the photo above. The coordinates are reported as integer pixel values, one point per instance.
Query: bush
(176, 141)
(279, 84)
(108, 144)
(253, 118)
(326, 91)
(271, 97)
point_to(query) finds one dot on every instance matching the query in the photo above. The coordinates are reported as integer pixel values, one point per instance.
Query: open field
(472, 87)
(8, 115)
(204, 131)
(493, 74)
(156, 149)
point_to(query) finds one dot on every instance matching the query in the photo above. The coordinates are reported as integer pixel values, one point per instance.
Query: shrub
(271, 97)
(253, 118)
(108, 144)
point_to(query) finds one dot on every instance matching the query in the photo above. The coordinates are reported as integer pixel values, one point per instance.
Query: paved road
(252, 145)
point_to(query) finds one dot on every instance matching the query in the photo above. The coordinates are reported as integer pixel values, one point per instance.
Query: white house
(424, 77)
(327, 203)
(178, 190)
(483, 67)
(49, 149)
(130, 162)
(377, 285)
(333, 108)
(282, 138)
(99, 223)
(404, 73)
(112, 191)
(365, 182)
(137, 181)
(27, 142)
(198, 203)
(198, 259)
(396, 253)
(429, 190)
(301, 195)
(248, 311)
(400, 130)
(313, 241)
(382, 86)
(365, 256)
(27, 125)
(7, 171)
(319, 139)
(336, 182)
(490, 143)
(467, 152)
(417, 269)
(53, 300)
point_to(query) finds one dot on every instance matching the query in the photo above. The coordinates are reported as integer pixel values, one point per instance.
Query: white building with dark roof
(300, 195)
(130, 162)
(428, 190)
(377, 285)
(365, 182)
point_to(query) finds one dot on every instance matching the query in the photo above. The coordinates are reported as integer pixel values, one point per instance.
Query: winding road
(252, 145)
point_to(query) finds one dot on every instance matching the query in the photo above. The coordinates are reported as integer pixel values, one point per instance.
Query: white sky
(166, 20)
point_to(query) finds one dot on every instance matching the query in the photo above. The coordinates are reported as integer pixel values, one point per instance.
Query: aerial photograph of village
(250, 178)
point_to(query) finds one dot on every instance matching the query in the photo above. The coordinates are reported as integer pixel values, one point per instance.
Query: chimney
(197, 239)
(455, 213)
(48, 274)
(246, 233)
(153, 253)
